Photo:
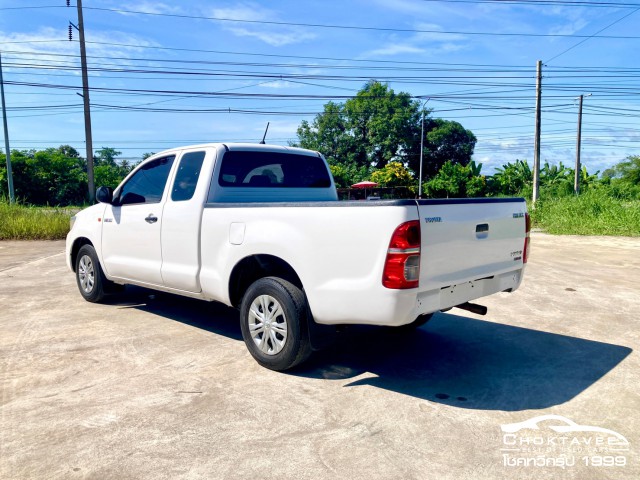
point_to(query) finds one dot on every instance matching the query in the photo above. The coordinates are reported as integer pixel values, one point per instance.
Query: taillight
(402, 266)
(525, 253)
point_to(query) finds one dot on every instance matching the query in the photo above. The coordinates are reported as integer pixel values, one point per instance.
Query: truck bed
(472, 247)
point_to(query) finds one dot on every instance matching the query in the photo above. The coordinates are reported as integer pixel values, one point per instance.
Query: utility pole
(536, 148)
(576, 181)
(12, 197)
(421, 153)
(87, 107)
(421, 148)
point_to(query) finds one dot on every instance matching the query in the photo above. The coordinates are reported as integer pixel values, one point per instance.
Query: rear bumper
(400, 307)
(450, 296)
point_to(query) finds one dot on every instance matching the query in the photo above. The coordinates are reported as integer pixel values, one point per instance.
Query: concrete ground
(154, 386)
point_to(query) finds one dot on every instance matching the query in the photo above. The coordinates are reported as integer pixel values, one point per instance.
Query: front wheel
(273, 317)
(91, 281)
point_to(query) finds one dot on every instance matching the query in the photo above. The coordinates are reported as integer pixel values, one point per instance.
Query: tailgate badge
(433, 219)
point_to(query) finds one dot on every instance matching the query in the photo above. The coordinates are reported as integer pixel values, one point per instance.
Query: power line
(594, 35)
(536, 3)
(356, 27)
(568, 3)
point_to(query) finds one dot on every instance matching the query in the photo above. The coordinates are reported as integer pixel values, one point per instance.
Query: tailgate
(469, 239)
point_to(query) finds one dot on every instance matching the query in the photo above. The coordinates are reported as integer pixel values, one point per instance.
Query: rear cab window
(272, 170)
(187, 176)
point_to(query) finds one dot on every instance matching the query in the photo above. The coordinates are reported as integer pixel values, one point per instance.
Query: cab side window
(187, 176)
(147, 184)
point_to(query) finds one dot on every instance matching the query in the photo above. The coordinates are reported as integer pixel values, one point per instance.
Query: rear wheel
(273, 317)
(91, 281)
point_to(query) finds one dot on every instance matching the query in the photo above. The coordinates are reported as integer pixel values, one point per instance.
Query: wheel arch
(78, 243)
(253, 268)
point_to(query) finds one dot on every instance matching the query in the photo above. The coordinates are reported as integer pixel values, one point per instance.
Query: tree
(455, 180)
(345, 175)
(393, 174)
(556, 180)
(382, 123)
(108, 172)
(106, 156)
(627, 171)
(379, 126)
(512, 178)
(108, 176)
(445, 140)
(58, 176)
(47, 177)
(624, 178)
(68, 151)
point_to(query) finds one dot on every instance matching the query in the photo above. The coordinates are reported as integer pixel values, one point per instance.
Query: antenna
(265, 134)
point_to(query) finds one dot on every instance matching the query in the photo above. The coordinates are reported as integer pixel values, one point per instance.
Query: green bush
(455, 180)
(58, 176)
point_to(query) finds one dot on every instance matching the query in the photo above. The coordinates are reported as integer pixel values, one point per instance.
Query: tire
(89, 276)
(280, 340)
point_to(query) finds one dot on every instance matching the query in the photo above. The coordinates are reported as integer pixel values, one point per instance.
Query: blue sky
(152, 72)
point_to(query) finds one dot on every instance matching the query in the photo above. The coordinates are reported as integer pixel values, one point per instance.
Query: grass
(592, 213)
(20, 222)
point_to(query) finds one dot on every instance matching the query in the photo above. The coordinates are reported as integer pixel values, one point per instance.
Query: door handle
(151, 218)
(482, 230)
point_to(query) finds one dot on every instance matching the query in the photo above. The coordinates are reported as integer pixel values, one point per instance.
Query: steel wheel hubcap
(268, 324)
(86, 274)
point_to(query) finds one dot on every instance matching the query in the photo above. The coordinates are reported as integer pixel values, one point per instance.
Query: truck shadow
(469, 363)
(213, 317)
(453, 360)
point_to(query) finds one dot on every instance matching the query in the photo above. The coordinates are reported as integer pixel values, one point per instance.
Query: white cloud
(46, 45)
(50, 40)
(274, 35)
(394, 49)
(275, 39)
(280, 84)
(569, 28)
(153, 7)
(244, 11)
(430, 33)
(428, 42)
(146, 6)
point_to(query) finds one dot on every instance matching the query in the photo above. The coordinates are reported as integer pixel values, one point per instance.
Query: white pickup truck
(260, 228)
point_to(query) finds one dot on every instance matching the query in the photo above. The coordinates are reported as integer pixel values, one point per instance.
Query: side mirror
(104, 195)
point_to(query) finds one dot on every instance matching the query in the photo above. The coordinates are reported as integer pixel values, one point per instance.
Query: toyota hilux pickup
(260, 228)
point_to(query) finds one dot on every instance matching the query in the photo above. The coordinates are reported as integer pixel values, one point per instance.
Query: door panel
(131, 244)
(132, 226)
(182, 217)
